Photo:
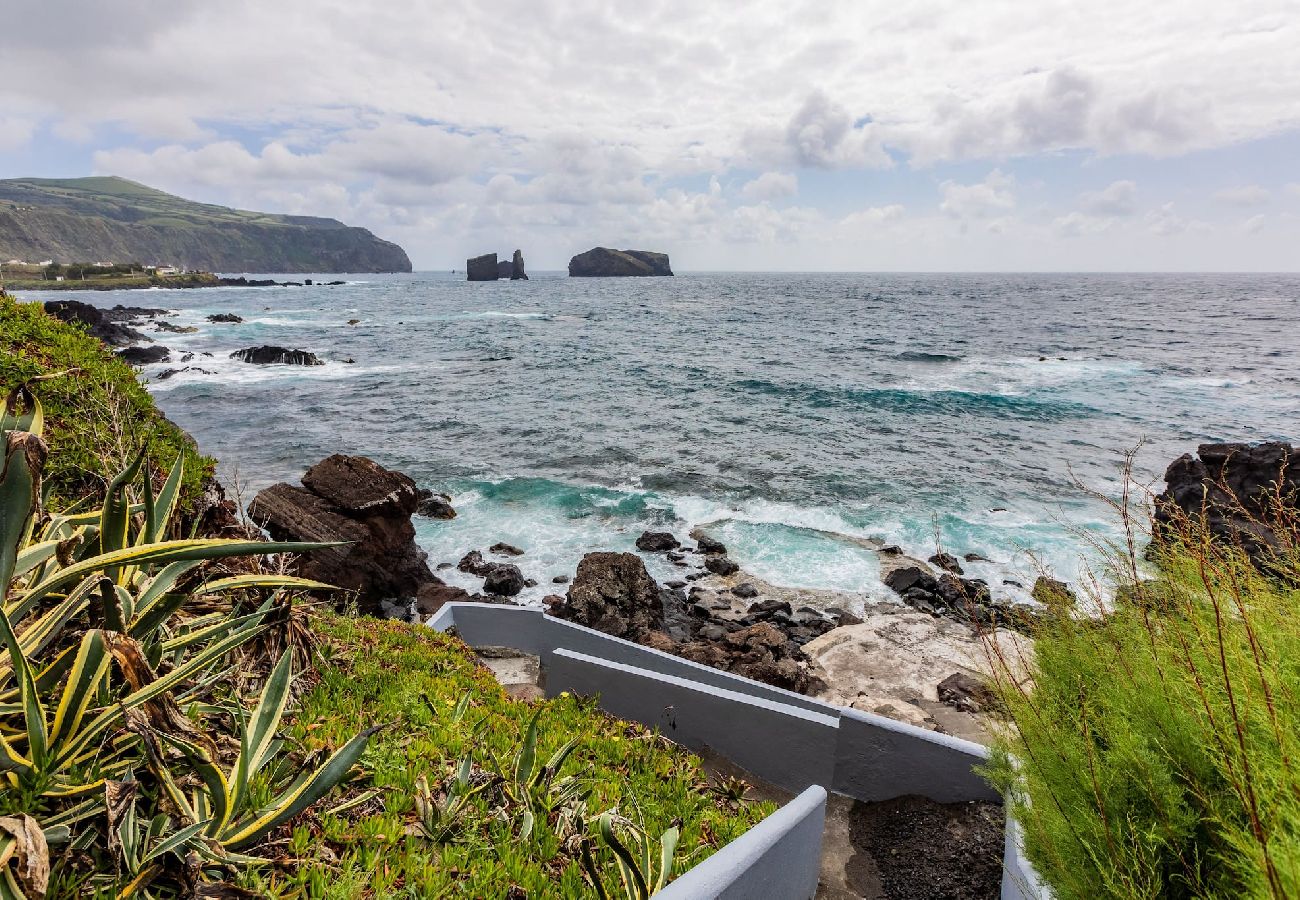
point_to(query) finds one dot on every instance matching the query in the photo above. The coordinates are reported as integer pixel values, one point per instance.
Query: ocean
(790, 415)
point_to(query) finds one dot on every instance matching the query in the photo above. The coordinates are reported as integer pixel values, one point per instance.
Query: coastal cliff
(83, 219)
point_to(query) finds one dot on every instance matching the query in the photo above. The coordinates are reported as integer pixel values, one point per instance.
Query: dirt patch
(913, 847)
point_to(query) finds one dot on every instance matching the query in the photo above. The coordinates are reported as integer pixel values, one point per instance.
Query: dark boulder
(225, 318)
(504, 268)
(473, 563)
(613, 593)
(505, 549)
(269, 355)
(966, 692)
(435, 506)
(96, 322)
(354, 500)
(175, 329)
(720, 565)
(144, 356)
(601, 262)
(517, 272)
(745, 590)
(560, 579)
(657, 542)
(504, 580)
(967, 600)
(706, 544)
(947, 562)
(1048, 590)
(482, 268)
(1238, 492)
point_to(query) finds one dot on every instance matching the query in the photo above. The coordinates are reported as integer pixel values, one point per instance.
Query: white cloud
(982, 200)
(1079, 224)
(1116, 199)
(1255, 224)
(1165, 221)
(874, 216)
(1245, 195)
(771, 186)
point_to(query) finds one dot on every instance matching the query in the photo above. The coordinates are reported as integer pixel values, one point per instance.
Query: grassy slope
(97, 414)
(411, 678)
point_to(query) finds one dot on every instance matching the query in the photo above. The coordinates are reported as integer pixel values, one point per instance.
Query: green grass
(410, 678)
(1155, 750)
(97, 413)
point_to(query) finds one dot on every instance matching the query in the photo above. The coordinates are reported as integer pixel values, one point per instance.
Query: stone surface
(706, 544)
(505, 549)
(503, 580)
(96, 322)
(482, 268)
(435, 506)
(966, 692)
(272, 355)
(352, 499)
(143, 356)
(613, 593)
(721, 565)
(227, 318)
(601, 262)
(657, 542)
(947, 562)
(517, 272)
(1233, 489)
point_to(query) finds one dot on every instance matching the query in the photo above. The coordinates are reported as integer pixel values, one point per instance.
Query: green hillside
(111, 219)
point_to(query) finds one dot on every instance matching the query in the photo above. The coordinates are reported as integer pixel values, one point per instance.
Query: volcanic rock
(505, 549)
(96, 322)
(517, 272)
(353, 499)
(720, 565)
(504, 580)
(474, 564)
(268, 355)
(144, 356)
(966, 693)
(601, 262)
(706, 544)
(657, 542)
(482, 268)
(228, 318)
(947, 562)
(1236, 491)
(435, 506)
(613, 593)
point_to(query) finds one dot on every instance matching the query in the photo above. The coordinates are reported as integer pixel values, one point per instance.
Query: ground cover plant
(1154, 747)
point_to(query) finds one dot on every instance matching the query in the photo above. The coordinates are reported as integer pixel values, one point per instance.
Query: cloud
(823, 135)
(1164, 221)
(771, 186)
(982, 200)
(1116, 199)
(1245, 195)
(875, 216)
(1255, 224)
(1079, 224)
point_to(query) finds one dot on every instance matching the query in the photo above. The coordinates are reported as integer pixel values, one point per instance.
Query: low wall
(788, 747)
(783, 738)
(777, 859)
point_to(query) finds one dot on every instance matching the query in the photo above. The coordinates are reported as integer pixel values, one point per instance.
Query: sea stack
(482, 268)
(601, 262)
(517, 272)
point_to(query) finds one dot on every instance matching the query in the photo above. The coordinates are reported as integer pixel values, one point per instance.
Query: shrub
(1154, 748)
(96, 413)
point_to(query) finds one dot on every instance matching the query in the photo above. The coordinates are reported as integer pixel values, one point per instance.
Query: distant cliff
(114, 220)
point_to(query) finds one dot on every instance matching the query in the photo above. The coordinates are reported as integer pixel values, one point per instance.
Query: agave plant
(100, 659)
(644, 869)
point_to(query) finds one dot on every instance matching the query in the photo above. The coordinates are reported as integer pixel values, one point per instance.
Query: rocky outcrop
(1237, 492)
(98, 323)
(613, 593)
(354, 500)
(504, 268)
(225, 318)
(144, 356)
(517, 272)
(657, 542)
(482, 268)
(435, 506)
(268, 355)
(601, 262)
(964, 599)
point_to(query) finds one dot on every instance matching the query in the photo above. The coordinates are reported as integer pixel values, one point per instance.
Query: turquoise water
(791, 415)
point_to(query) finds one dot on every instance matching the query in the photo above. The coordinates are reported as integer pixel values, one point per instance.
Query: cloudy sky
(854, 135)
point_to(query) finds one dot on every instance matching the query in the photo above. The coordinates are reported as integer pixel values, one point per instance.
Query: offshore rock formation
(489, 268)
(601, 262)
(76, 219)
(1239, 489)
(269, 354)
(98, 323)
(355, 500)
(482, 268)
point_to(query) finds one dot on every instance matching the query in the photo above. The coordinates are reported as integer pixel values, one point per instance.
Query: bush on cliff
(1155, 749)
(97, 413)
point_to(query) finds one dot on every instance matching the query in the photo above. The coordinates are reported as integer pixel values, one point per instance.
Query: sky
(859, 135)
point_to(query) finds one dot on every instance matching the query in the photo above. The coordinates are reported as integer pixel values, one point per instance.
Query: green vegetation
(96, 413)
(109, 218)
(502, 835)
(105, 656)
(1155, 748)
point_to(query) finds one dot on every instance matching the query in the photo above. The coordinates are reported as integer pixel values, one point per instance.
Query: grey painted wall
(781, 737)
(791, 748)
(777, 859)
